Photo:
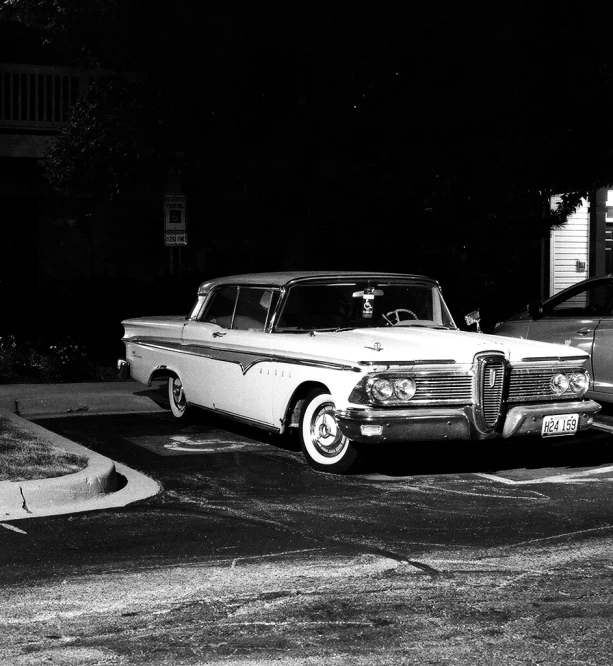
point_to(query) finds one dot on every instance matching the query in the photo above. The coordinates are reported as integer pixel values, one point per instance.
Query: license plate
(560, 424)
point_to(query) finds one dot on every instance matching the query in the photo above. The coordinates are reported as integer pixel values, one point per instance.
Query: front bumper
(407, 424)
(528, 419)
(454, 423)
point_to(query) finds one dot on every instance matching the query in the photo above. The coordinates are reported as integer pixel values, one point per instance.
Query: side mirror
(535, 309)
(473, 317)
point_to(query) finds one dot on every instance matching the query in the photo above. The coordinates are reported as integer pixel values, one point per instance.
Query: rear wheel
(176, 397)
(323, 444)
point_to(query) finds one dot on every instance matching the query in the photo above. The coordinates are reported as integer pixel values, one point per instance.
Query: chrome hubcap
(325, 434)
(177, 393)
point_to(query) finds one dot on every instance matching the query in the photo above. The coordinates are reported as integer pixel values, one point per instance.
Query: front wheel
(176, 397)
(323, 444)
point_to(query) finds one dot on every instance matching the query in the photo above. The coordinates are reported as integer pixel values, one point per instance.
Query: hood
(406, 343)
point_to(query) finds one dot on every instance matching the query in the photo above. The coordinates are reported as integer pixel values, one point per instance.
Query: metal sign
(175, 218)
(171, 239)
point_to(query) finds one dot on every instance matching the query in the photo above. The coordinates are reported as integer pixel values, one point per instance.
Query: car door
(230, 349)
(602, 357)
(580, 317)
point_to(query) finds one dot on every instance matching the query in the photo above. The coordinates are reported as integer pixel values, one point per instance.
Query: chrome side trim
(444, 361)
(238, 356)
(554, 359)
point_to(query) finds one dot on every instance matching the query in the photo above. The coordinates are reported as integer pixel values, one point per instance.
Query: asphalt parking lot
(496, 553)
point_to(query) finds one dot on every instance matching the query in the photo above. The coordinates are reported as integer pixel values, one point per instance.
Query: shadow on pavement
(427, 458)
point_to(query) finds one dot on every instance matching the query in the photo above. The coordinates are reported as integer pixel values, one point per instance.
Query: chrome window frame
(204, 300)
(377, 280)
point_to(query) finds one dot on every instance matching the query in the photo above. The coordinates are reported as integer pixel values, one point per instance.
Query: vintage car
(351, 359)
(580, 316)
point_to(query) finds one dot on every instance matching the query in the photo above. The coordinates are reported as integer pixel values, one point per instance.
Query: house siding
(569, 250)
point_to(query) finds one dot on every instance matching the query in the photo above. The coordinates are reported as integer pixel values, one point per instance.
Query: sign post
(175, 220)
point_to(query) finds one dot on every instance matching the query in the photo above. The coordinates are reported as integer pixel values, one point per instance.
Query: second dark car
(579, 316)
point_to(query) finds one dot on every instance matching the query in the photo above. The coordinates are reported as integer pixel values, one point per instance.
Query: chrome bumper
(414, 424)
(455, 423)
(123, 368)
(528, 419)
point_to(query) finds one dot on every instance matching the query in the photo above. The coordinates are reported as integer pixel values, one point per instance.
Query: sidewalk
(44, 400)
(104, 483)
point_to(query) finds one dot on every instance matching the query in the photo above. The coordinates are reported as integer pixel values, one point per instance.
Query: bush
(62, 361)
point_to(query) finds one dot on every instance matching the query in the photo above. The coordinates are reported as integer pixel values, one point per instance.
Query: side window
(253, 309)
(221, 308)
(593, 301)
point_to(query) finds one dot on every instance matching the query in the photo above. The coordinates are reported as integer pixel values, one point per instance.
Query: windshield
(363, 305)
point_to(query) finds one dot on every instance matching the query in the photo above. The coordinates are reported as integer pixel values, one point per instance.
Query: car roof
(283, 278)
(596, 278)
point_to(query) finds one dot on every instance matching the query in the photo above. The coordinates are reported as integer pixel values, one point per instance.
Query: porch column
(598, 212)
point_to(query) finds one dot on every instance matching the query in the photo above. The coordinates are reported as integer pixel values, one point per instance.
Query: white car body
(276, 376)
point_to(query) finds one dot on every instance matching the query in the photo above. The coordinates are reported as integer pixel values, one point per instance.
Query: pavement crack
(403, 560)
(254, 519)
(424, 567)
(24, 506)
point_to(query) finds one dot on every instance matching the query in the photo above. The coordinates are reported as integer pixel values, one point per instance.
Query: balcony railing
(33, 97)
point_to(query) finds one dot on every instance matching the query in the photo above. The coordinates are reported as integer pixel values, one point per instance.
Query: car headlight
(579, 382)
(392, 389)
(405, 388)
(559, 383)
(382, 389)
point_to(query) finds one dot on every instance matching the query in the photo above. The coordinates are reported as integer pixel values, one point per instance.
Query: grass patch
(24, 457)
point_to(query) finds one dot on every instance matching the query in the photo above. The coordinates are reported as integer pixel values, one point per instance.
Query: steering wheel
(396, 315)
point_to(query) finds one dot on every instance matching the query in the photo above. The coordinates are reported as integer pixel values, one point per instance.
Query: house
(581, 248)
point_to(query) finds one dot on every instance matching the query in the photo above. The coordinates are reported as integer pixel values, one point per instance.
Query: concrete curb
(95, 487)
(29, 497)
(45, 400)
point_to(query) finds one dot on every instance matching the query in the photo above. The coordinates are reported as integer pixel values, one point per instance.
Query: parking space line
(443, 489)
(12, 528)
(558, 478)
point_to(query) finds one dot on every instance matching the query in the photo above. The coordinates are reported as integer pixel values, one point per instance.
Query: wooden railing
(33, 97)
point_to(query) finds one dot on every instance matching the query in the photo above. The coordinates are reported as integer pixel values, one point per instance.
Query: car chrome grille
(535, 384)
(492, 386)
(446, 387)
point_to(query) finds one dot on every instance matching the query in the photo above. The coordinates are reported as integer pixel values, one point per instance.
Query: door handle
(585, 331)
(219, 334)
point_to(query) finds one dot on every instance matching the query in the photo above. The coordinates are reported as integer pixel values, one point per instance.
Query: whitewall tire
(323, 444)
(176, 397)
